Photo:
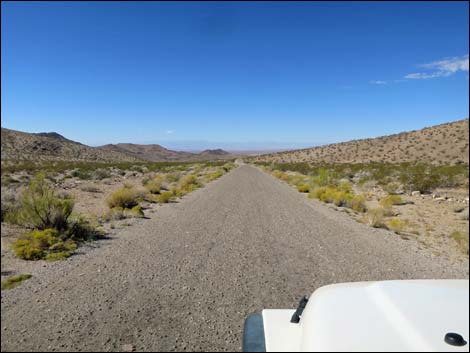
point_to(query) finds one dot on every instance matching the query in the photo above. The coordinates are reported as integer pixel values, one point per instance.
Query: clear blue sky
(241, 75)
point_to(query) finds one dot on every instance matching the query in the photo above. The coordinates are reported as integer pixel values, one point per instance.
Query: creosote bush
(44, 244)
(42, 208)
(375, 217)
(391, 200)
(124, 198)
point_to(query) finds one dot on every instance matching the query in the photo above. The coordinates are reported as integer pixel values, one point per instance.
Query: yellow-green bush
(396, 224)
(42, 208)
(135, 211)
(173, 177)
(358, 203)
(391, 200)
(375, 217)
(124, 198)
(462, 240)
(43, 244)
(215, 175)
(153, 186)
(303, 188)
(165, 197)
(14, 281)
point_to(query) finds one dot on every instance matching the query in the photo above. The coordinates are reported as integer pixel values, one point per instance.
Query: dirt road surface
(186, 278)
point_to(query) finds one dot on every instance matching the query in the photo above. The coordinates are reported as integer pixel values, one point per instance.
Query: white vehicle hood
(376, 316)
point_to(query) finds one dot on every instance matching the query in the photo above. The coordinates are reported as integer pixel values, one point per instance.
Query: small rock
(416, 193)
(439, 199)
(464, 215)
(128, 348)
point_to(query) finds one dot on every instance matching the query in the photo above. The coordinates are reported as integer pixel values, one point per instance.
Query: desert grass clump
(375, 217)
(165, 197)
(41, 207)
(391, 200)
(189, 183)
(461, 239)
(44, 244)
(173, 177)
(214, 175)
(14, 281)
(124, 198)
(358, 203)
(303, 188)
(136, 212)
(153, 186)
(396, 224)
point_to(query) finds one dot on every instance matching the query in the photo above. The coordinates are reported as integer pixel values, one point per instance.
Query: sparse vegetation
(375, 217)
(462, 240)
(41, 207)
(14, 281)
(123, 198)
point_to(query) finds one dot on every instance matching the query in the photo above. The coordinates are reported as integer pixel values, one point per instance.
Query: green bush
(391, 200)
(375, 217)
(43, 244)
(153, 186)
(14, 281)
(358, 203)
(173, 177)
(42, 208)
(397, 225)
(165, 197)
(215, 175)
(303, 188)
(136, 211)
(124, 198)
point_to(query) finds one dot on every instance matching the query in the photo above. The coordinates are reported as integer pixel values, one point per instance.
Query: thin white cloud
(169, 132)
(378, 82)
(441, 68)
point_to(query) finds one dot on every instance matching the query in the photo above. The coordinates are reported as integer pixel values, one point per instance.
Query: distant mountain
(157, 153)
(216, 152)
(153, 152)
(17, 146)
(441, 145)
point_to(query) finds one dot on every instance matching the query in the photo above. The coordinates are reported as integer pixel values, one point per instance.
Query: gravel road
(186, 278)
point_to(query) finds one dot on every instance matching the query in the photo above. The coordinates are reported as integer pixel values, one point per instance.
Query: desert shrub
(14, 281)
(43, 244)
(165, 197)
(80, 229)
(375, 217)
(462, 240)
(358, 203)
(396, 225)
(189, 183)
(153, 186)
(228, 167)
(173, 177)
(345, 186)
(42, 208)
(124, 198)
(90, 188)
(101, 173)
(176, 192)
(115, 213)
(419, 177)
(215, 175)
(323, 177)
(393, 187)
(303, 188)
(10, 205)
(391, 200)
(81, 174)
(135, 211)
